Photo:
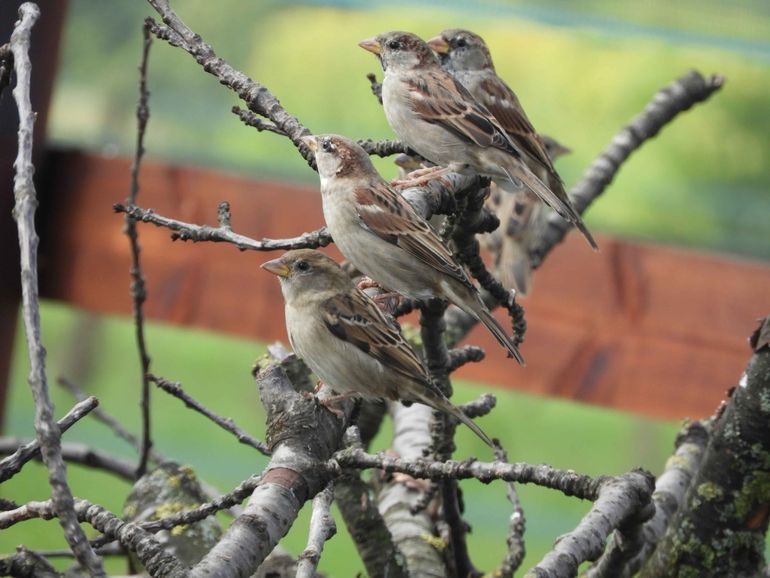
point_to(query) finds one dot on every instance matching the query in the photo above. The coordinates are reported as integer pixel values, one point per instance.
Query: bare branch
(463, 355)
(322, 528)
(514, 556)
(27, 563)
(250, 119)
(227, 424)
(618, 500)
(679, 96)
(78, 454)
(150, 552)
(110, 421)
(568, 482)
(138, 287)
(627, 552)
(258, 98)
(295, 474)
(197, 233)
(724, 517)
(11, 465)
(47, 429)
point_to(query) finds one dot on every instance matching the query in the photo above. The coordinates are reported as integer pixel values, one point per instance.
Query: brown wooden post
(44, 55)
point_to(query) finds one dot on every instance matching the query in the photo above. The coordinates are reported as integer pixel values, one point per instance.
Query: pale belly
(342, 366)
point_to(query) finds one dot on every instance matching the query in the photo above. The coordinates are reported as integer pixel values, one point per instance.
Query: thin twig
(514, 555)
(322, 528)
(11, 465)
(110, 421)
(47, 429)
(227, 424)
(258, 98)
(80, 454)
(461, 356)
(671, 100)
(568, 482)
(198, 233)
(151, 554)
(138, 288)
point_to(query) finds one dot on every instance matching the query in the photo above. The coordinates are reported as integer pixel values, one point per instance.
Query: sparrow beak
(276, 267)
(310, 142)
(438, 45)
(372, 45)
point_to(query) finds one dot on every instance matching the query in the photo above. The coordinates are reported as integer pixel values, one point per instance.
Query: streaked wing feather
(386, 214)
(438, 98)
(355, 318)
(506, 108)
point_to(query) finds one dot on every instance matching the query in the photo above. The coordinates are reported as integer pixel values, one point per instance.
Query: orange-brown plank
(647, 329)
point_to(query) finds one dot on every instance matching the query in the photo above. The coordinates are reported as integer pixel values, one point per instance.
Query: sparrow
(347, 341)
(435, 115)
(522, 220)
(380, 233)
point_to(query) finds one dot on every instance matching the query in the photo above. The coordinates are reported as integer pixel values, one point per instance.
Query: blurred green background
(581, 71)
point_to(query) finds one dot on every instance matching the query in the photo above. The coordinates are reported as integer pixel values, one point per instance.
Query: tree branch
(198, 233)
(75, 453)
(627, 552)
(322, 528)
(11, 465)
(47, 429)
(175, 388)
(294, 475)
(150, 552)
(257, 97)
(138, 287)
(720, 528)
(679, 96)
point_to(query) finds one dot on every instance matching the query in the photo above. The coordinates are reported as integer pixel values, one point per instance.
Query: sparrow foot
(420, 177)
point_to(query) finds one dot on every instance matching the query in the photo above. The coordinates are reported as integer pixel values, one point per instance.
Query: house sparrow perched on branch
(466, 57)
(384, 237)
(435, 115)
(347, 341)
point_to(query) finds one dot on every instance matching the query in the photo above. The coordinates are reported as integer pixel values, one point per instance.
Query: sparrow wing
(502, 102)
(386, 214)
(356, 319)
(438, 98)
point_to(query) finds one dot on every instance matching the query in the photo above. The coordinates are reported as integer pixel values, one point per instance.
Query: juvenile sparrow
(439, 118)
(383, 236)
(347, 341)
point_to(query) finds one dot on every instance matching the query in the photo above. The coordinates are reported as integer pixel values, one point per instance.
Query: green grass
(100, 355)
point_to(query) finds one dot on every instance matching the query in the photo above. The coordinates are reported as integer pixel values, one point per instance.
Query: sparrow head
(338, 157)
(308, 274)
(400, 51)
(461, 50)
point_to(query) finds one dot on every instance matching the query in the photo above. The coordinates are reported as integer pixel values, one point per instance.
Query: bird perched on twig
(347, 341)
(435, 115)
(383, 236)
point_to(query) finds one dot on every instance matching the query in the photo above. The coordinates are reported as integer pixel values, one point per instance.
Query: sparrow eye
(394, 45)
(461, 43)
(302, 266)
(327, 145)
